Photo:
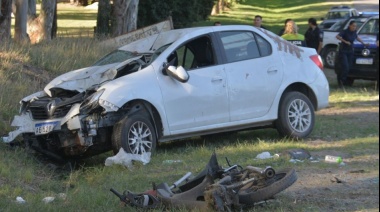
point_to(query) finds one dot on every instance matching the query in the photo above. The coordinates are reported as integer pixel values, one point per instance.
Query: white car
(177, 84)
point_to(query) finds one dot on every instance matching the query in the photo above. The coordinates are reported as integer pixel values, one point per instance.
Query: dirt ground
(352, 187)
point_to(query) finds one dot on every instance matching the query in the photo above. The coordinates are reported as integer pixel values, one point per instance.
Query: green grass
(87, 185)
(274, 13)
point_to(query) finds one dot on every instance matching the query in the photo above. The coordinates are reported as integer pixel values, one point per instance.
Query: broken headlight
(91, 102)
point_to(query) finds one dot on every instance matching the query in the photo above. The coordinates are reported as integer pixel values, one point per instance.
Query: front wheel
(295, 116)
(135, 134)
(283, 179)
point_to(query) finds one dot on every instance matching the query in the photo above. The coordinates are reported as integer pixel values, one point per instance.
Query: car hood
(82, 79)
(366, 38)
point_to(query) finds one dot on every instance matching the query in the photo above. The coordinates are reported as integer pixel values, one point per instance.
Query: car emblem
(366, 52)
(51, 108)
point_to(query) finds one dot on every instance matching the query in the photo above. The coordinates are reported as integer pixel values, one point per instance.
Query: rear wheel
(329, 57)
(296, 115)
(135, 134)
(283, 179)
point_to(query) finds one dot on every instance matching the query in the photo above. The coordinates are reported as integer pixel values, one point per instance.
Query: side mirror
(178, 73)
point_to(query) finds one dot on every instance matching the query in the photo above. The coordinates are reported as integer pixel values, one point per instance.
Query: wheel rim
(330, 58)
(140, 138)
(299, 115)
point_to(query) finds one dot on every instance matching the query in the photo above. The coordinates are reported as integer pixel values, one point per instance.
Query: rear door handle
(216, 79)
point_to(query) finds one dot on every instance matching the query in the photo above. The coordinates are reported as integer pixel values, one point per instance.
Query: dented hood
(82, 79)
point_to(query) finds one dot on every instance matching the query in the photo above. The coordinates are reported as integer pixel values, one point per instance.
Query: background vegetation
(26, 69)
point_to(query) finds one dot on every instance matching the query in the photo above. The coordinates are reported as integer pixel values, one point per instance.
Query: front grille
(358, 52)
(40, 111)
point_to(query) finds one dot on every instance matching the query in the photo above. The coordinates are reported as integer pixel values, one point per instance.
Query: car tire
(135, 133)
(295, 116)
(329, 57)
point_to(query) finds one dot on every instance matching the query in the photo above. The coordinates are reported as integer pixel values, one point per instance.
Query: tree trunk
(5, 20)
(42, 27)
(55, 25)
(132, 14)
(218, 7)
(221, 6)
(21, 17)
(103, 18)
(32, 10)
(119, 15)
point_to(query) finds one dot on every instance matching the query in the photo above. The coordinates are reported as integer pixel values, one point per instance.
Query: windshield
(371, 27)
(116, 56)
(338, 15)
(338, 26)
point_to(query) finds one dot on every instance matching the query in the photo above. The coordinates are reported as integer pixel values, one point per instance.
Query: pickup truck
(336, 14)
(330, 43)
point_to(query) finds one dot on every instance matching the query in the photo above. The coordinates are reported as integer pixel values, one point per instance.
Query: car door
(202, 101)
(254, 75)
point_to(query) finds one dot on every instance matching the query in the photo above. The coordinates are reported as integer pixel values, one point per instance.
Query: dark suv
(365, 60)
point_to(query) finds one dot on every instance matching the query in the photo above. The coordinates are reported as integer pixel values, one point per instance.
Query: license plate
(364, 61)
(44, 128)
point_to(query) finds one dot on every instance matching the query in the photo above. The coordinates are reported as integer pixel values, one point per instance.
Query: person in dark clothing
(257, 22)
(281, 33)
(346, 51)
(314, 36)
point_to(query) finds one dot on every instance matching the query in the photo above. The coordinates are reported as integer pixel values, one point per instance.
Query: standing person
(291, 34)
(314, 36)
(258, 22)
(283, 29)
(346, 51)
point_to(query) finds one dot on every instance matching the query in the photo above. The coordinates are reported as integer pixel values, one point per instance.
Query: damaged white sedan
(177, 84)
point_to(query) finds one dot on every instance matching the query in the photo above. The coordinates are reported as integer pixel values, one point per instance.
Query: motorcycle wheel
(248, 195)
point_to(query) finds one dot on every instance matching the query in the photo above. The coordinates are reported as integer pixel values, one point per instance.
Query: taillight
(317, 60)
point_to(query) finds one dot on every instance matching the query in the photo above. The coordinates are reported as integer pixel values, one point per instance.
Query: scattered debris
(295, 161)
(337, 180)
(48, 199)
(358, 171)
(299, 154)
(333, 159)
(264, 155)
(126, 159)
(20, 200)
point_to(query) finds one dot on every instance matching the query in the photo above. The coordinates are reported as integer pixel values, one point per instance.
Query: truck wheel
(329, 57)
(135, 134)
(296, 116)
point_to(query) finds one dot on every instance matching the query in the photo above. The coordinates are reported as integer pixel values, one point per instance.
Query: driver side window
(195, 54)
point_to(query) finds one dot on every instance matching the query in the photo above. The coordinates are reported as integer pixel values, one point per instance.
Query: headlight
(91, 102)
(108, 105)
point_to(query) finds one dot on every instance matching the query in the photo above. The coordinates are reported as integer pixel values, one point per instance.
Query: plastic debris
(264, 155)
(20, 200)
(48, 199)
(126, 159)
(333, 159)
(300, 154)
(295, 161)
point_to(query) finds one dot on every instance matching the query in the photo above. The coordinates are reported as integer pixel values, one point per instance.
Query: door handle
(216, 79)
(270, 71)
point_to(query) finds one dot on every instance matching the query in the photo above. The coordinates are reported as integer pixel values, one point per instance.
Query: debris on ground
(126, 159)
(48, 199)
(20, 200)
(264, 155)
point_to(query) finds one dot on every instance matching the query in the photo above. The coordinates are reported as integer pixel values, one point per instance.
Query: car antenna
(170, 19)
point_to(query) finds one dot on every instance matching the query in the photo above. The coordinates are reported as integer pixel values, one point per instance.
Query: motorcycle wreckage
(215, 188)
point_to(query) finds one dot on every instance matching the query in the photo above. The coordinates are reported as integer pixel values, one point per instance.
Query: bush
(183, 12)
